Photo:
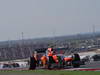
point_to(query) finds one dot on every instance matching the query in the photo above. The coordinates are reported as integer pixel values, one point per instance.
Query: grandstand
(20, 49)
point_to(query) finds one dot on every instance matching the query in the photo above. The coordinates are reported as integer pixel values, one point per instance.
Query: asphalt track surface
(90, 66)
(95, 64)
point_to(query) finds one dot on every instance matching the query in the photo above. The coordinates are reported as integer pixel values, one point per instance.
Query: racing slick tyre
(76, 65)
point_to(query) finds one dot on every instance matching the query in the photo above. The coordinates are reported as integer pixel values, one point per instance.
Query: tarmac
(90, 66)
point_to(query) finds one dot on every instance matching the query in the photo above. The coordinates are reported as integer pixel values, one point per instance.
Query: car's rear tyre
(76, 65)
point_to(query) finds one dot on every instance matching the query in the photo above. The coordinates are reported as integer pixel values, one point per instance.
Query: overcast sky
(42, 18)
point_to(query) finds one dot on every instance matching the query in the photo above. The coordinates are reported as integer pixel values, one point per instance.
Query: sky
(47, 18)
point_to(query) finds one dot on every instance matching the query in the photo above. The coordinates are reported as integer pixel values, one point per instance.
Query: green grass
(48, 72)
